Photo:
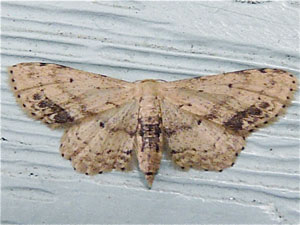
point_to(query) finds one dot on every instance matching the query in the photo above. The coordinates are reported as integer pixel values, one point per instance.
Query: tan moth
(202, 122)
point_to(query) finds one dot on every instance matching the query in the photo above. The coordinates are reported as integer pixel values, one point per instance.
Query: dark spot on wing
(101, 124)
(63, 117)
(264, 105)
(46, 103)
(36, 96)
(236, 121)
(252, 110)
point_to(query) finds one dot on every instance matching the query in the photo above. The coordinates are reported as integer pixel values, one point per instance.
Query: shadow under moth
(203, 122)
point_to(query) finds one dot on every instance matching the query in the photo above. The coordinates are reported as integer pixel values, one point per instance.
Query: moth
(201, 122)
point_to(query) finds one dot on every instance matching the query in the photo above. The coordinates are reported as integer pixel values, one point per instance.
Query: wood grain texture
(135, 41)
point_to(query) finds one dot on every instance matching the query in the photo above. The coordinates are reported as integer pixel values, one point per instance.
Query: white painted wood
(134, 41)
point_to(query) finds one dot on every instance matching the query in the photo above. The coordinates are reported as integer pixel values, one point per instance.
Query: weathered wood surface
(143, 40)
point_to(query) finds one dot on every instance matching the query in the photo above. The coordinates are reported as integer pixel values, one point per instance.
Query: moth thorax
(148, 88)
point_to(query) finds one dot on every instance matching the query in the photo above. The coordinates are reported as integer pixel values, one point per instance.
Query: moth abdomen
(149, 136)
(151, 130)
